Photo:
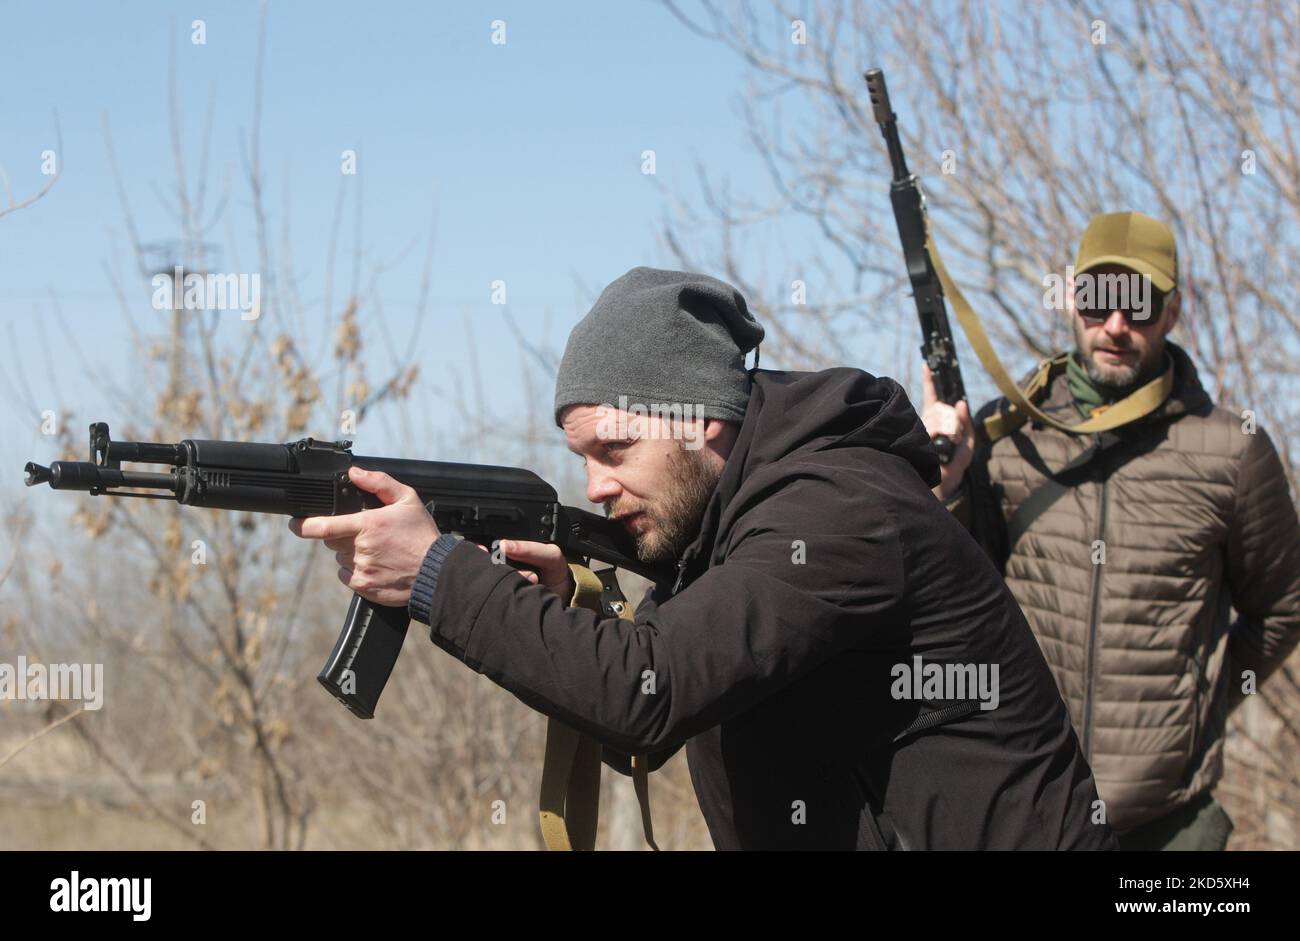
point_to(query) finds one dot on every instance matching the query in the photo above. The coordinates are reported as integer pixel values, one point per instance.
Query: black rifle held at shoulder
(310, 478)
(909, 212)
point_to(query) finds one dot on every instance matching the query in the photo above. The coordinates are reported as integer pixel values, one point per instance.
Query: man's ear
(1173, 306)
(720, 435)
(713, 427)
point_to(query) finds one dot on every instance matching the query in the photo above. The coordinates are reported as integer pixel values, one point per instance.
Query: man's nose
(1116, 324)
(601, 486)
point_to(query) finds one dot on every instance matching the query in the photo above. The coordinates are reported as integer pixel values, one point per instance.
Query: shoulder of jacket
(1218, 432)
(830, 467)
(1000, 404)
(988, 407)
(826, 483)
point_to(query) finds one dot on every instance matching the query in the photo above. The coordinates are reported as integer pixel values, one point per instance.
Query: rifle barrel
(888, 122)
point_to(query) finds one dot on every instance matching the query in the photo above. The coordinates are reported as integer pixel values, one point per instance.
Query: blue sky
(532, 151)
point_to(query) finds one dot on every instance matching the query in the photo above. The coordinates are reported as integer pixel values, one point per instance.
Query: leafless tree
(12, 203)
(213, 695)
(1024, 121)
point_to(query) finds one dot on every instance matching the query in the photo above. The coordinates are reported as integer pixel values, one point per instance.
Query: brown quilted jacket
(1188, 517)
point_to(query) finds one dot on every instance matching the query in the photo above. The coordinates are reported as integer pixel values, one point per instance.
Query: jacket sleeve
(1263, 566)
(622, 761)
(768, 614)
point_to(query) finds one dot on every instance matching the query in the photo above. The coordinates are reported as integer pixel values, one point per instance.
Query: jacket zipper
(1090, 669)
(929, 720)
(681, 575)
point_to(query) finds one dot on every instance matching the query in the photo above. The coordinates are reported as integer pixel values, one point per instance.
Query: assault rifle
(909, 212)
(310, 478)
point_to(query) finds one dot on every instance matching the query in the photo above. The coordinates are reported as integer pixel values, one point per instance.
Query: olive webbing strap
(1019, 409)
(569, 804)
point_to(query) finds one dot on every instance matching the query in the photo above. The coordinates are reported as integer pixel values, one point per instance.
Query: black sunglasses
(1093, 312)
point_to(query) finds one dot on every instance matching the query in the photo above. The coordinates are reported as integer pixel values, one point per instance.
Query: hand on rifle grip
(952, 432)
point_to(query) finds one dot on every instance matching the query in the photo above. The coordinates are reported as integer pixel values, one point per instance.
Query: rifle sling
(569, 805)
(1018, 408)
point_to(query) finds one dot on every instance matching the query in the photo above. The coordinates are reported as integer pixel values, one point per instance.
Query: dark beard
(1136, 378)
(1138, 375)
(676, 522)
(1109, 381)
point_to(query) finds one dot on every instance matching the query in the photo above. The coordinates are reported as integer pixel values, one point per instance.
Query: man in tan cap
(1127, 262)
(1129, 548)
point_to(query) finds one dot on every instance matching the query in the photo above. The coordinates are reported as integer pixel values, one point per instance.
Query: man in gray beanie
(843, 663)
(680, 338)
(681, 341)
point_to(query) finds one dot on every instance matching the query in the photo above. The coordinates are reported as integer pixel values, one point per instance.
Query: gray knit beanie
(662, 337)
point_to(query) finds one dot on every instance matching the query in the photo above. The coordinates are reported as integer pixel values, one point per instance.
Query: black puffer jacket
(823, 568)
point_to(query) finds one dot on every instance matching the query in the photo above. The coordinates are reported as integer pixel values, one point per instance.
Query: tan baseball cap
(1134, 240)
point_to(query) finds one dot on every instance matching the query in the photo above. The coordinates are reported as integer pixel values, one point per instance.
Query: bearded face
(654, 475)
(665, 526)
(1119, 351)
